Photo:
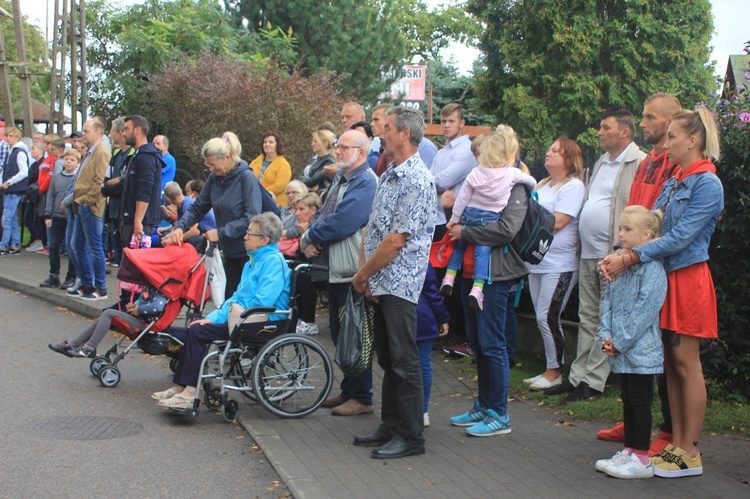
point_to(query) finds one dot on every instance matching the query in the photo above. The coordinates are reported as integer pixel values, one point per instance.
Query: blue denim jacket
(631, 319)
(689, 220)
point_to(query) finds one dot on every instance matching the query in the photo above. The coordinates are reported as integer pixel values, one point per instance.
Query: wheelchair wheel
(229, 410)
(292, 375)
(97, 363)
(212, 397)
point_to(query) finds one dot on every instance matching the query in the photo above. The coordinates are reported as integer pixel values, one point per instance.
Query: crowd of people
(370, 205)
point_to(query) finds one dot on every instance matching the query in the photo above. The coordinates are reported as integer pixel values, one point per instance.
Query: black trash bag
(354, 348)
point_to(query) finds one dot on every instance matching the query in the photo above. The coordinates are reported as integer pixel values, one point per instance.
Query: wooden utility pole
(4, 84)
(28, 118)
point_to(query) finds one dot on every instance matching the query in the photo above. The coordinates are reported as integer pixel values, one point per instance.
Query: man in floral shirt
(394, 256)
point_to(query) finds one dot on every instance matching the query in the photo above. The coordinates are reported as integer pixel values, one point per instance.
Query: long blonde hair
(644, 219)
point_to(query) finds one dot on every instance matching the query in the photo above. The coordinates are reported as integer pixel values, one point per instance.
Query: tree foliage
(125, 45)
(429, 31)
(357, 39)
(451, 86)
(553, 66)
(728, 360)
(203, 97)
(34, 43)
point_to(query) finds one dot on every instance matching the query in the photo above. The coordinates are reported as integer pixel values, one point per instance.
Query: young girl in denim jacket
(631, 338)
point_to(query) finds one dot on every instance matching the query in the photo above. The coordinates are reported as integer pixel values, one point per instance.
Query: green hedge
(727, 361)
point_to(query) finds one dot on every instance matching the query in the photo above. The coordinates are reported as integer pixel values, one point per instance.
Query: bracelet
(623, 261)
(632, 258)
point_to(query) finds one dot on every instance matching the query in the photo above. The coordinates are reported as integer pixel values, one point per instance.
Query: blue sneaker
(493, 424)
(474, 416)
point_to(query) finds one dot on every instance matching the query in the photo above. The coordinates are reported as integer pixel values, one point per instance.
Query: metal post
(28, 118)
(73, 66)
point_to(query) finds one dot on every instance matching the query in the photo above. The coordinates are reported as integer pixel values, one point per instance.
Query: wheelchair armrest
(257, 310)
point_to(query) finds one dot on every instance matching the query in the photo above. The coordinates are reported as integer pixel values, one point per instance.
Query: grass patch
(722, 417)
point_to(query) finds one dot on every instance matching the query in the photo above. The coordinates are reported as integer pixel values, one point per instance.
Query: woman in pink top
(482, 200)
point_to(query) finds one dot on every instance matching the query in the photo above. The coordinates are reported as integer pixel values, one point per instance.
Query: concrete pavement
(542, 457)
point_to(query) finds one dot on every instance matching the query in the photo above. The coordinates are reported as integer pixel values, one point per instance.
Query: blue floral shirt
(404, 204)
(631, 319)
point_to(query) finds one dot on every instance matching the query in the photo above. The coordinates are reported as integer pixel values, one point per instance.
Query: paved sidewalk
(541, 457)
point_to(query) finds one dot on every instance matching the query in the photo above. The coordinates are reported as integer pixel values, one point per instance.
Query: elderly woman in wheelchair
(265, 282)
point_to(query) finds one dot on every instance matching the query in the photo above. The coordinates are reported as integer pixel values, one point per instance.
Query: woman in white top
(552, 281)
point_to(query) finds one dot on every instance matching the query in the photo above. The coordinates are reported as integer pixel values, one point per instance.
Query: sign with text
(410, 87)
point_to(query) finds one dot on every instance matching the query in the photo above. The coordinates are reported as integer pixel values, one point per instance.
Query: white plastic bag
(217, 278)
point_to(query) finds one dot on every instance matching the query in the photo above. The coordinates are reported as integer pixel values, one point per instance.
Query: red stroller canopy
(168, 269)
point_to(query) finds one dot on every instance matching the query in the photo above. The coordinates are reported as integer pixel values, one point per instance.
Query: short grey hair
(269, 225)
(172, 189)
(119, 124)
(407, 117)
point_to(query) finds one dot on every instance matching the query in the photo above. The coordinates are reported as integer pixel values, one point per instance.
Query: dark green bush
(727, 361)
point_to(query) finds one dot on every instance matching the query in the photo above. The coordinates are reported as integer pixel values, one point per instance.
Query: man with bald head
(351, 113)
(170, 165)
(335, 235)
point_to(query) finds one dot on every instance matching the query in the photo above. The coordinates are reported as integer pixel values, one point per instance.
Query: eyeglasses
(289, 193)
(209, 165)
(338, 146)
(256, 235)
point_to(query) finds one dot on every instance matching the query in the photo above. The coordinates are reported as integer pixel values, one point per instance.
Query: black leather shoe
(565, 387)
(50, 282)
(582, 392)
(377, 439)
(396, 448)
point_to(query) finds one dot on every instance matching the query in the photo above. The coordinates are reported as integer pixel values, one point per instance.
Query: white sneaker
(619, 458)
(304, 328)
(426, 420)
(633, 468)
(35, 246)
(533, 379)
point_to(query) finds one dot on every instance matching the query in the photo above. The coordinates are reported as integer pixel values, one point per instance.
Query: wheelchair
(288, 374)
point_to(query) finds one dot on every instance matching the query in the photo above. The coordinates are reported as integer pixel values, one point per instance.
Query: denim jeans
(87, 245)
(425, 363)
(474, 217)
(486, 334)
(11, 232)
(55, 237)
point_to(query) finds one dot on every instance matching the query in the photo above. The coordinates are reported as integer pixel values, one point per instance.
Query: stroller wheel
(97, 363)
(109, 376)
(173, 364)
(212, 398)
(229, 410)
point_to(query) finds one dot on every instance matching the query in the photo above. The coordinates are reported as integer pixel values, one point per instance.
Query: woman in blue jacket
(264, 283)
(692, 201)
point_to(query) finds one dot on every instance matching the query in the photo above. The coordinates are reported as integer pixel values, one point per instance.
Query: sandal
(178, 401)
(166, 394)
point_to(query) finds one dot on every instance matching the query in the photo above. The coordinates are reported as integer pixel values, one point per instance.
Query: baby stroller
(178, 273)
(290, 375)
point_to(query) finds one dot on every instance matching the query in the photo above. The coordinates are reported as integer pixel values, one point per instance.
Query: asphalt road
(64, 435)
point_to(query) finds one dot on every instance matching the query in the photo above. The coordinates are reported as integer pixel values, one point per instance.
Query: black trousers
(637, 396)
(195, 348)
(233, 269)
(396, 346)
